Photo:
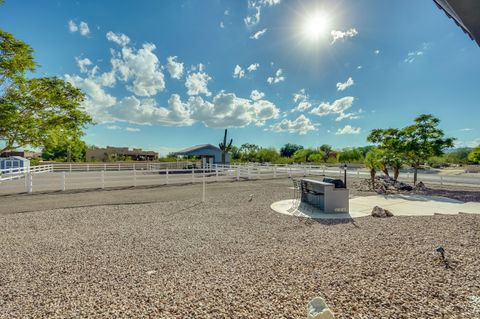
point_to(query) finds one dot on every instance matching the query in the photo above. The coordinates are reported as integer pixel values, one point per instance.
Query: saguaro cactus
(225, 147)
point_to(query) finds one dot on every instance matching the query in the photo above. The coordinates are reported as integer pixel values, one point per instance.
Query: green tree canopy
(33, 110)
(474, 155)
(422, 140)
(267, 155)
(69, 148)
(289, 149)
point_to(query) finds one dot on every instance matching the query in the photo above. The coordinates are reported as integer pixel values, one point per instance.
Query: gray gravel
(231, 258)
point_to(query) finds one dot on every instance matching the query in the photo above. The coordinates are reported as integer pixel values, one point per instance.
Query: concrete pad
(294, 208)
(399, 205)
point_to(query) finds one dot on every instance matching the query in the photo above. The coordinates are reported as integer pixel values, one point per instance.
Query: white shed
(13, 163)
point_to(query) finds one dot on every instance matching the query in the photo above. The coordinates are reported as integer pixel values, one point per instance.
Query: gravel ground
(233, 258)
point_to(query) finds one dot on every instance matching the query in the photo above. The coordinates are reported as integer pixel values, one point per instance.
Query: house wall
(217, 154)
(8, 162)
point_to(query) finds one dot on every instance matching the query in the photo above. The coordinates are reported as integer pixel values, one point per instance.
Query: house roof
(196, 148)
(465, 13)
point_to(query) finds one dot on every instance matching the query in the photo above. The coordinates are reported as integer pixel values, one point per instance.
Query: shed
(209, 152)
(14, 162)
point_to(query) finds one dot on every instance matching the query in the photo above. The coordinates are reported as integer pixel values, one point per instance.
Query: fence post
(441, 180)
(88, 167)
(248, 172)
(238, 173)
(102, 179)
(166, 174)
(275, 171)
(289, 172)
(118, 167)
(104, 167)
(216, 173)
(134, 177)
(62, 181)
(29, 182)
(203, 187)
(193, 175)
(70, 168)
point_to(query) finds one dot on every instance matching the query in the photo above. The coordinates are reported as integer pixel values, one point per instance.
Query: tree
(372, 163)
(474, 155)
(248, 151)
(225, 147)
(301, 156)
(350, 155)
(64, 148)
(327, 151)
(33, 110)
(422, 140)
(269, 155)
(289, 149)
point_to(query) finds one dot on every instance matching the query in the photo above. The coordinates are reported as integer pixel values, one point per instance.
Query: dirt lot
(231, 257)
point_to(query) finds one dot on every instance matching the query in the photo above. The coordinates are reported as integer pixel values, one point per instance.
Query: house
(209, 152)
(25, 154)
(120, 153)
(13, 163)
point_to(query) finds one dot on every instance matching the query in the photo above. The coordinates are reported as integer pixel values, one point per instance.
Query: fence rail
(91, 176)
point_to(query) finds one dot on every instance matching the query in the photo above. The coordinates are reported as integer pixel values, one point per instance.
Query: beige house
(120, 153)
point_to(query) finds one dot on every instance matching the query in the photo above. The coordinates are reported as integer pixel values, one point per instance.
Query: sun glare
(316, 25)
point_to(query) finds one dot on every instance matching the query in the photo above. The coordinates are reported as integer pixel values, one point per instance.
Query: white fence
(91, 176)
(20, 172)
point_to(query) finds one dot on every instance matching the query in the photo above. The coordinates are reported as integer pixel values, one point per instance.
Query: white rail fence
(93, 176)
(20, 172)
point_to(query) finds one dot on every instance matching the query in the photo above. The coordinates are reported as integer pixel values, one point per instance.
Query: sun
(316, 25)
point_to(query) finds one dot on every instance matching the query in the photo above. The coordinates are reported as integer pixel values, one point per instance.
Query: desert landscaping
(153, 252)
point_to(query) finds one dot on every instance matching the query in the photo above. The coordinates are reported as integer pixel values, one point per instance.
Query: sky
(165, 75)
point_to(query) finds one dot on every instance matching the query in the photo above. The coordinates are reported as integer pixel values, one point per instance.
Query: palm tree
(225, 147)
(372, 162)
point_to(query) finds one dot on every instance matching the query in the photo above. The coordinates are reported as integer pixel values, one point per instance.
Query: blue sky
(165, 75)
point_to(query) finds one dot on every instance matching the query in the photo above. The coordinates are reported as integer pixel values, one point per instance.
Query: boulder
(317, 308)
(378, 211)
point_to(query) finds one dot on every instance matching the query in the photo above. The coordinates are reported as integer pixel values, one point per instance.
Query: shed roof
(14, 157)
(465, 13)
(196, 148)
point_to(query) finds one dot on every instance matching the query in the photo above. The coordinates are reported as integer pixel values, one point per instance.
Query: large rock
(317, 309)
(378, 211)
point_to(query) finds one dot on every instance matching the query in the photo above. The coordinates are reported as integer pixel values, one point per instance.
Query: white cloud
(142, 67)
(97, 100)
(238, 72)
(82, 27)
(413, 55)
(222, 25)
(338, 107)
(301, 97)
(376, 51)
(344, 85)
(277, 78)
(132, 129)
(258, 34)
(226, 12)
(340, 35)
(197, 83)
(174, 68)
(301, 125)
(228, 110)
(114, 127)
(348, 129)
(256, 95)
(147, 112)
(254, 9)
(466, 129)
(83, 63)
(253, 67)
(118, 38)
(72, 26)
(359, 67)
